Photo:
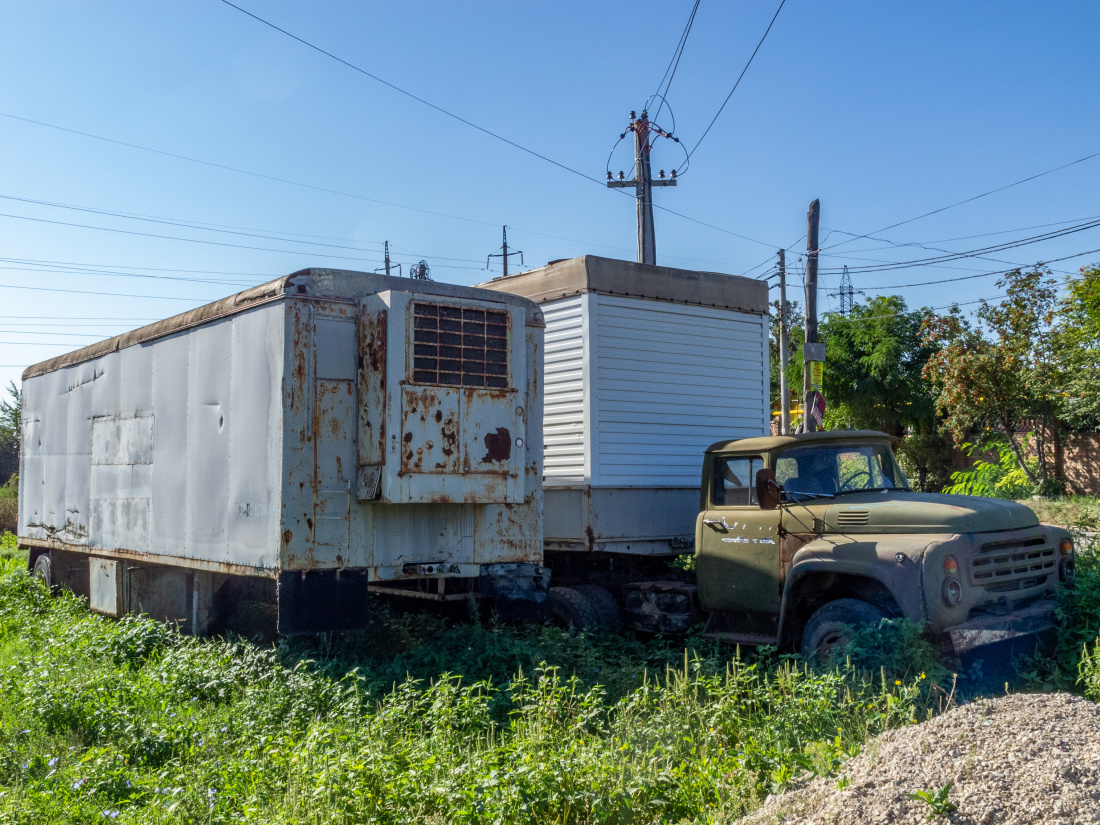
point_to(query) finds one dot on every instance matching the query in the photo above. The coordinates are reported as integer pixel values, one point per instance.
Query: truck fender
(886, 573)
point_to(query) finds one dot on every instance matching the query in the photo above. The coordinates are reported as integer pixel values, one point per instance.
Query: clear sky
(884, 111)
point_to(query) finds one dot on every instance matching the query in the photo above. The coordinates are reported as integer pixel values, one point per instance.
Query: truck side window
(735, 481)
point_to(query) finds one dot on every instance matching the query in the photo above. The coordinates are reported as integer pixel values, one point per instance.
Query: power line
(674, 64)
(977, 252)
(736, 84)
(409, 94)
(110, 294)
(971, 199)
(981, 274)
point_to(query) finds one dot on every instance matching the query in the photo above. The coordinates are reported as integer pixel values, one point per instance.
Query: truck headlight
(952, 592)
(1067, 568)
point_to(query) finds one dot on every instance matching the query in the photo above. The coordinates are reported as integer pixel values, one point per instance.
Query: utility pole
(811, 349)
(504, 255)
(387, 266)
(643, 183)
(784, 393)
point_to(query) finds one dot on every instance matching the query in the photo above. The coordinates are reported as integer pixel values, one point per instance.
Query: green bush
(1002, 478)
(9, 505)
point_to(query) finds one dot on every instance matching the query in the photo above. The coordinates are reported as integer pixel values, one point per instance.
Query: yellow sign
(817, 373)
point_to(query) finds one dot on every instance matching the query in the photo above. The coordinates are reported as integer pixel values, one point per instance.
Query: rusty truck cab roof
(770, 443)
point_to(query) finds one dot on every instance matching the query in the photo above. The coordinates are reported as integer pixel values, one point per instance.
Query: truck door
(737, 559)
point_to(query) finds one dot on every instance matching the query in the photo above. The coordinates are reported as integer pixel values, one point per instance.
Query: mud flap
(316, 601)
(518, 590)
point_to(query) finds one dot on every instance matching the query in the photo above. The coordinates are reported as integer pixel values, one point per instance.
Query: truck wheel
(830, 627)
(43, 571)
(607, 609)
(567, 607)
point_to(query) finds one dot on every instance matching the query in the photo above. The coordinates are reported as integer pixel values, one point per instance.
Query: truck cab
(799, 538)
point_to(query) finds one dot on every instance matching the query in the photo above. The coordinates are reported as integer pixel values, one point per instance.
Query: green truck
(799, 538)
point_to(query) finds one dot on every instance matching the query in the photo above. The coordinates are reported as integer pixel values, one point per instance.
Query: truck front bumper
(986, 630)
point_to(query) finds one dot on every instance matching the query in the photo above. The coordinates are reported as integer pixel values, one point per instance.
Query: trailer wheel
(830, 627)
(43, 571)
(567, 607)
(607, 609)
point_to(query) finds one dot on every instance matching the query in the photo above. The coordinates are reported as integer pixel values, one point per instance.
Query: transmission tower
(846, 294)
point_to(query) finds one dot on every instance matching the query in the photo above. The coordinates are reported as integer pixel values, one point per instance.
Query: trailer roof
(771, 442)
(609, 276)
(340, 284)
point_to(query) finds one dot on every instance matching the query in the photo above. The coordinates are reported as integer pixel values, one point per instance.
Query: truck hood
(904, 512)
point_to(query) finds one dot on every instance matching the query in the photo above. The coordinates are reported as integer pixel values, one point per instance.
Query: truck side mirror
(767, 490)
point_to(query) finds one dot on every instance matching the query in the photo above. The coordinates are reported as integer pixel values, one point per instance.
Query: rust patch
(498, 445)
(438, 416)
(789, 544)
(309, 523)
(287, 536)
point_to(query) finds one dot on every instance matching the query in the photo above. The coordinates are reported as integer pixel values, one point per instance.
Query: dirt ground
(1015, 760)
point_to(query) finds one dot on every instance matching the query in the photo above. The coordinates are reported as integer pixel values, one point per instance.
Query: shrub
(1002, 478)
(9, 505)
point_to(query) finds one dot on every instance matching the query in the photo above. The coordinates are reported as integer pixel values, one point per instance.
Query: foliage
(9, 505)
(927, 458)
(10, 412)
(1001, 478)
(875, 359)
(9, 547)
(938, 801)
(897, 647)
(994, 384)
(1082, 512)
(128, 720)
(1076, 344)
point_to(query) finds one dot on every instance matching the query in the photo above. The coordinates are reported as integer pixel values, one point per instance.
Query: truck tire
(607, 609)
(568, 607)
(43, 571)
(830, 627)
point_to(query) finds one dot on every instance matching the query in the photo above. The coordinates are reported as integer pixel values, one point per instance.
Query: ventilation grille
(850, 518)
(459, 346)
(1006, 566)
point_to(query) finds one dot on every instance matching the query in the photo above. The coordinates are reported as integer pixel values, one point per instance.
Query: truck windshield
(832, 469)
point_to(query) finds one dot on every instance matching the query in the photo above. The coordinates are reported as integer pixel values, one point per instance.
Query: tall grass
(129, 721)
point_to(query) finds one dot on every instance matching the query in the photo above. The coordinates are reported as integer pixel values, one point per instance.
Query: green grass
(129, 721)
(1069, 511)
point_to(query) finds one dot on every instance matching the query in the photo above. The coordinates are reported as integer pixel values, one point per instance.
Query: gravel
(1015, 760)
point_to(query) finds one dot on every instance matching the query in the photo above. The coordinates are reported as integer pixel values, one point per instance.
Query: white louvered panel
(564, 391)
(673, 379)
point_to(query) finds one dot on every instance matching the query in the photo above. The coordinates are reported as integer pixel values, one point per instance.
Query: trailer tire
(43, 571)
(568, 607)
(607, 609)
(830, 627)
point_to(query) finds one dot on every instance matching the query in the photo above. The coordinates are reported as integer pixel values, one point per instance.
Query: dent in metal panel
(210, 375)
(372, 387)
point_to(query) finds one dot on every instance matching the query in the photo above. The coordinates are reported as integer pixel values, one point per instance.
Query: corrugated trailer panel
(564, 392)
(655, 418)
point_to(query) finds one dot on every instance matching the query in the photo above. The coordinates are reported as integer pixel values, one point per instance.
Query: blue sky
(884, 111)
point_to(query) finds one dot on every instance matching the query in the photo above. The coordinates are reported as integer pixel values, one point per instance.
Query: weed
(936, 800)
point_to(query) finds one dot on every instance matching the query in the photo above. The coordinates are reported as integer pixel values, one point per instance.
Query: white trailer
(645, 367)
(305, 442)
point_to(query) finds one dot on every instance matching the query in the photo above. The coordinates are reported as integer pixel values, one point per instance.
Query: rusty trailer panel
(297, 427)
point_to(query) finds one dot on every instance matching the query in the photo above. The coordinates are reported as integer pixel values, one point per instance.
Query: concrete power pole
(388, 264)
(503, 255)
(784, 392)
(811, 350)
(643, 184)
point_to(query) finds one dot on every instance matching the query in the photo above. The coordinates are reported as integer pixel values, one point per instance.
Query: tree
(1076, 346)
(1005, 381)
(874, 362)
(10, 413)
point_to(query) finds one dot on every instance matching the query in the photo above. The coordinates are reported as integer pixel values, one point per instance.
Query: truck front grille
(1018, 564)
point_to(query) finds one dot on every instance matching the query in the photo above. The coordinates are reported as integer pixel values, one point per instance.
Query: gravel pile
(1016, 760)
